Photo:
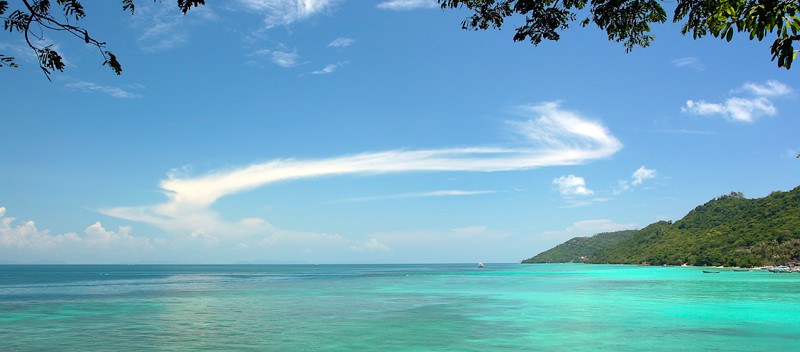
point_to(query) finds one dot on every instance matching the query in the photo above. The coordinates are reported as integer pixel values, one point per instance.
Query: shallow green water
(396, 308)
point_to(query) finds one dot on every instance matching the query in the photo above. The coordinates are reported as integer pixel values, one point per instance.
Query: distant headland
(727, 231)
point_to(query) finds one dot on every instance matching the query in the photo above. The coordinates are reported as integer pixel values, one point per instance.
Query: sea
(421, 307)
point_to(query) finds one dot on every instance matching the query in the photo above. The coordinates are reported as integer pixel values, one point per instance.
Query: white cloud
(554, 137)
(26, 236)
(98, 236)
(281, 58)
(285, 12)
(449, 193)
(284, 59)
(162, 28)
(21, 52)
(768, 89)
(92, 87)
(444, 193)
(641, 174)
(637, 178)
(326, 70)
(737, 109)
(575, 203)
(341, 42)
(572, 185)
(689, 62)
(369, 246)
(742, 109)
(407, 4)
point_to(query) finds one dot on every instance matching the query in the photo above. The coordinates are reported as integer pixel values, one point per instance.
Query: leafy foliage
(33, 18)
(729, 230)
(4, 60)
(629, 21)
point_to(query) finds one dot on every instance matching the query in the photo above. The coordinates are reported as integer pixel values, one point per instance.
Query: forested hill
(730, 230)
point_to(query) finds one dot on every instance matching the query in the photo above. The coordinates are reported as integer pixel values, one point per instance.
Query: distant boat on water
(782, 269)
(711, 271)
(480, 265)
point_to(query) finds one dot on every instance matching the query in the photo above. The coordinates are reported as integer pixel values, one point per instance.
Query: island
(730, 230)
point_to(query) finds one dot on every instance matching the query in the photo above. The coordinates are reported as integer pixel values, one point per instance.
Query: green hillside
(578, 249)
(730, 230)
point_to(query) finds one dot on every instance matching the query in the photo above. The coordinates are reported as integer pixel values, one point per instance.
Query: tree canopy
(33, 18)
(625, 21)
(629, 21)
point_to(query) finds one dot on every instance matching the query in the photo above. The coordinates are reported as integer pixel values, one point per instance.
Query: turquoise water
(505, 307)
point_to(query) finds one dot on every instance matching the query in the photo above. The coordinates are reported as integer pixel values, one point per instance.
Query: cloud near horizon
(554, 137)
(26, 237)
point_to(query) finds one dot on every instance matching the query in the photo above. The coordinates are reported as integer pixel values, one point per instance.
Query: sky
(335, 131)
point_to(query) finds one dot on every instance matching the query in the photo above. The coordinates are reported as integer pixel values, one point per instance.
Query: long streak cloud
(553, 137)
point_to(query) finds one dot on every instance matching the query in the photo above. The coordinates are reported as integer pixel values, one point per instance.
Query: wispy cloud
(369, 245)
(572, 185)
(637, 178)
(574, 191)
(555, 136)
(285, 59)
(92, 87)
(768, 89)
(285, 12)
(737, 109)
(281, 58)
(327, 69)
(407, 4)
(641, 174)
(742, 109)
(444, 193)
(341, 42)
(162, 28)
(21, 51)
(582, 202)
(689, 62)
(686, 132)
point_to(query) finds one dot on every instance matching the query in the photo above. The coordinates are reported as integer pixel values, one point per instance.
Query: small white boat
(481, 266)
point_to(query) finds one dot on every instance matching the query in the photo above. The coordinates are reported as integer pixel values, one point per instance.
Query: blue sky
(325, 131)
